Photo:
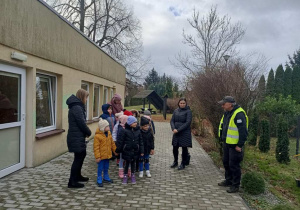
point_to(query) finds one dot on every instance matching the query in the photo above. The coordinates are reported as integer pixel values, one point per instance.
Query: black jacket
(78, 130)
(181, 120)
(148, 141)
(242, 126)
(130, 143)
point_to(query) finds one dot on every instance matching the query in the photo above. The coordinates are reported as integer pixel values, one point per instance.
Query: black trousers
(231, 162)
(132, 163)
(76, 166)
(184, 153)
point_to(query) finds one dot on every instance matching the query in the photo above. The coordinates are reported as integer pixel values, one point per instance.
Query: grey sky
(272, 27)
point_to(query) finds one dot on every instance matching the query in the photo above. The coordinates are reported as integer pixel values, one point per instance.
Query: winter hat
(102, 124)
(128, 113)
(144, 121)
(148, 117)
(123, 120)
(131, 120)
(119, 114)
(147, 112)
(117, 96)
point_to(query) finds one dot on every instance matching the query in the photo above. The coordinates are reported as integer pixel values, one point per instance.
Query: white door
(12, 118)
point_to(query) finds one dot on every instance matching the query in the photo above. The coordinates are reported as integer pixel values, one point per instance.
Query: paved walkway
(45, 187)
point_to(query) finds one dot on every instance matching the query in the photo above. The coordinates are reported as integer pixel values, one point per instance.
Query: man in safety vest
(233, 132)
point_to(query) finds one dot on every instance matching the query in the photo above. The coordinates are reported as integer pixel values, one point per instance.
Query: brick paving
(45, 186)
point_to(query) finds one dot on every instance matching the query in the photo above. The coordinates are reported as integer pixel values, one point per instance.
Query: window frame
(96, 85)
(105, 99)
(88, 101)
(111, 93)
(53, 100)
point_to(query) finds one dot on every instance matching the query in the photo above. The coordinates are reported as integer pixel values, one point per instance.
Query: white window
(96, 105)
(105, 98)
(111, 93)
(85, 86)
(45, 103)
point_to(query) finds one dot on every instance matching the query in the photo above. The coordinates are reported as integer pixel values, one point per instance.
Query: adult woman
(116, 104)
(181, 127)
(78, 131)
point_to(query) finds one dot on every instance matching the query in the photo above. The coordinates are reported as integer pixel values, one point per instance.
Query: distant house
(43, 60)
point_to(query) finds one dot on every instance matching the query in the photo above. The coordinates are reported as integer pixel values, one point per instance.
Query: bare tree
(215, 37)
(112, 26)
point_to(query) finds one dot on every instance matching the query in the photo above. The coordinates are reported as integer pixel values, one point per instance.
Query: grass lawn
(138, 107)
(158, 117)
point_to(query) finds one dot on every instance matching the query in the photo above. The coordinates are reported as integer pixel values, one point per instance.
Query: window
(111, 93)
(85, 86)
(105, 98)
(96, 106)
(45, 103)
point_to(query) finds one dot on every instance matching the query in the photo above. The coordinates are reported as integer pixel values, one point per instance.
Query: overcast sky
(272, 27)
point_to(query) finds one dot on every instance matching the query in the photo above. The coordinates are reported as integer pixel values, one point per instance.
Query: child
(115, 131)
(148, 141)
(121, 126)
(136, 114)
(108, 115)
(147, 114)
(103, 147)
(131, 145)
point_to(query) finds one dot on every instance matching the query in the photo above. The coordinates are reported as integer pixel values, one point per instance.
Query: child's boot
(125, 179)
(99, 181)
(133, 181)
(141, 174)
(129, 172)
(106, 177)
(121, 173)
(148, 173)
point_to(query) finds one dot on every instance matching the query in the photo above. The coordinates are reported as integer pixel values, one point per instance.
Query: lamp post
(226, 57)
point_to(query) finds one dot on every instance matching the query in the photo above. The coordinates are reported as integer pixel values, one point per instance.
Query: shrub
(264, 141)
(282, 207)
(282, 145)
(253, 183)
(252, 138)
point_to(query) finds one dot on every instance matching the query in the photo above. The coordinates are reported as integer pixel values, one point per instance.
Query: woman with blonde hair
(77, 132)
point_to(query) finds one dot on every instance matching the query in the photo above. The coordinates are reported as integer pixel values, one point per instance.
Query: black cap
(227, 99)
(144, 121)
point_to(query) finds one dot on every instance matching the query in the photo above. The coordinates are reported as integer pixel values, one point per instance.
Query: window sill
(49, 133)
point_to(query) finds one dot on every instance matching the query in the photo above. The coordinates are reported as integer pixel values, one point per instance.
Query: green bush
(282, 207)
(253, 183)
(252, 138)
(282, 145)
(264, 141)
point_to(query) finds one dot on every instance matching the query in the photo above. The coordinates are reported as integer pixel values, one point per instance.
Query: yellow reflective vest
(232, 132)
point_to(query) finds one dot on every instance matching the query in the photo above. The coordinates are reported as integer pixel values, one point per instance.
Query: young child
(148, 141)
(121, 126)
(115, 131)
(147, 114)
(108, 115)
(130, 145)
(103, 147)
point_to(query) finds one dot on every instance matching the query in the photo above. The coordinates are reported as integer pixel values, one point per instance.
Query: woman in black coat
(182, 137)
(78, 131)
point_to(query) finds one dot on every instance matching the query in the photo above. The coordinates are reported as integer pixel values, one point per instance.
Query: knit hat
(102, 124)
(131, 120)
(147, 112)
(119, 114)
(123, 120)
(144, 121)
(148, 117)
(117, 96)
(128, 113)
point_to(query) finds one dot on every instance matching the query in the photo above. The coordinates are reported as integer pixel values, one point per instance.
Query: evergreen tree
(279, 81)
(176, 90)
(295, 60)
(270, 84)
(253, 128)
(288, 81)
(152, 78)
(296, 84)
(261, 88)
(264, 141)
(169, 87)
(282, 145)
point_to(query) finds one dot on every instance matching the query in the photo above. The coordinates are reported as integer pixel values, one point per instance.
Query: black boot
(182, 166)
(72, 184)
(233, 189)
(83, 179)
(175, 163)
(188, 158)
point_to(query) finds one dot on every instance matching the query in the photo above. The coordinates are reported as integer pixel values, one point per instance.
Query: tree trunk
(82, 16)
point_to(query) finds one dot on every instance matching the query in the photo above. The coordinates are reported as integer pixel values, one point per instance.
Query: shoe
(108, 181)
(188, 158)
(121, 173)
(100, 184)
(75, 185)
(83, 179)
(125, 179)
(233, 189)
(175, 163)
(141, 174)
(224, 184)
(148, 174)
(129, 172)
(181, 167)
(133, 181)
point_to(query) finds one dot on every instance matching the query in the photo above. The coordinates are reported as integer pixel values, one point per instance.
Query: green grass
(138, 107)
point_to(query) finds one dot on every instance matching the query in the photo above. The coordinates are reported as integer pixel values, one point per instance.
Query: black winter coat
(181, 120)
(148, 141)
(78, 130)
(130, 143)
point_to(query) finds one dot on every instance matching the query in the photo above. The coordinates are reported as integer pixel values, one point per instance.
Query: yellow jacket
(103, 146)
